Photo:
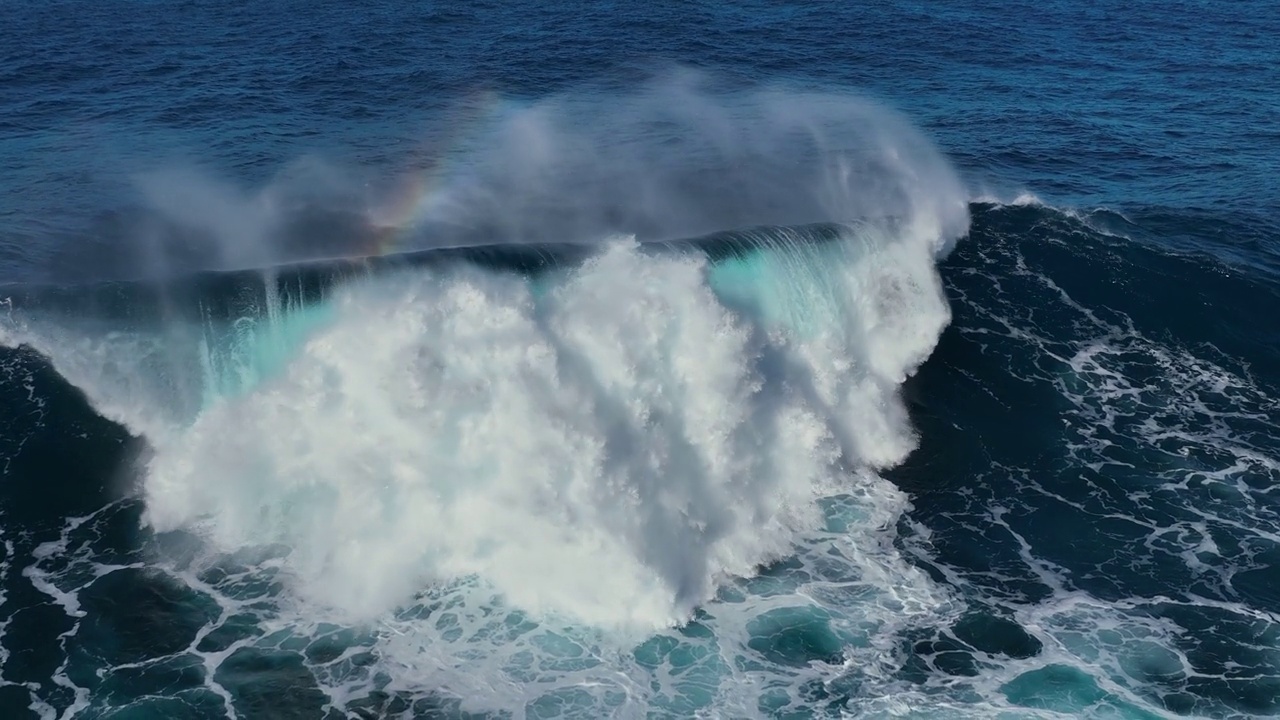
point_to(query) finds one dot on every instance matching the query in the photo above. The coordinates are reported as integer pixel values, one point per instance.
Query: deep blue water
(942, 378)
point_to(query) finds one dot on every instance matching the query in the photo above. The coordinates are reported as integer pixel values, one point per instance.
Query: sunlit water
(739, 393)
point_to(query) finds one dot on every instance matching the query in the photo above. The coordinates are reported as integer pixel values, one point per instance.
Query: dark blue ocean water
(607, 360)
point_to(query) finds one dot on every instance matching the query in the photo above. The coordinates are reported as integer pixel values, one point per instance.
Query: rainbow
(421, 192)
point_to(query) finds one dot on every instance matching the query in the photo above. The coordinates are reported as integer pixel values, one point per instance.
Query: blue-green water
(752, 360)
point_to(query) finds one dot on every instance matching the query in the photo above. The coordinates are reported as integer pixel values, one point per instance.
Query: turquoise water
(790, 360)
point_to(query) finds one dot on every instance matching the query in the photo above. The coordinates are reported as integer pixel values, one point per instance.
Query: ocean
(587, 360)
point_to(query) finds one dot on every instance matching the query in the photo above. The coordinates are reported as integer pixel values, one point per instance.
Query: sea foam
(606, 442)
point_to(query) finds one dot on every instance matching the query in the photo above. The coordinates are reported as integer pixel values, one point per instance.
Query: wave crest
(604, 440)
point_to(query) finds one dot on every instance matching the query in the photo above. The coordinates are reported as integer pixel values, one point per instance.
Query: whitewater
(547, 488)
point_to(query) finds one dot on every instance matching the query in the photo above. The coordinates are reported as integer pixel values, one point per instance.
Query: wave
(837, 626)
(602, 433)
(657, 420)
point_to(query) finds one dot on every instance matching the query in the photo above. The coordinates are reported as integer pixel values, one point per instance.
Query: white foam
(605, 452)
(457, 449)
(520, 478)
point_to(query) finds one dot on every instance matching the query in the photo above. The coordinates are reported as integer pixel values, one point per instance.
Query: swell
(1122, 393)
(1211, 284)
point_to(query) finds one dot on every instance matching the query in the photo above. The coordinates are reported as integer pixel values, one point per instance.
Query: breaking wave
(593, 434)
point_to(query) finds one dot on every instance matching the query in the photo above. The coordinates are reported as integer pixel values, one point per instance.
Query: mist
(678, 157)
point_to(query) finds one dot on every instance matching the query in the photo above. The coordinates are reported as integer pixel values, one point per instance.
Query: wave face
(500, 480)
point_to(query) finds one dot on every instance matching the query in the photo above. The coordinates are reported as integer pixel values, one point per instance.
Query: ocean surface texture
(639, 360)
